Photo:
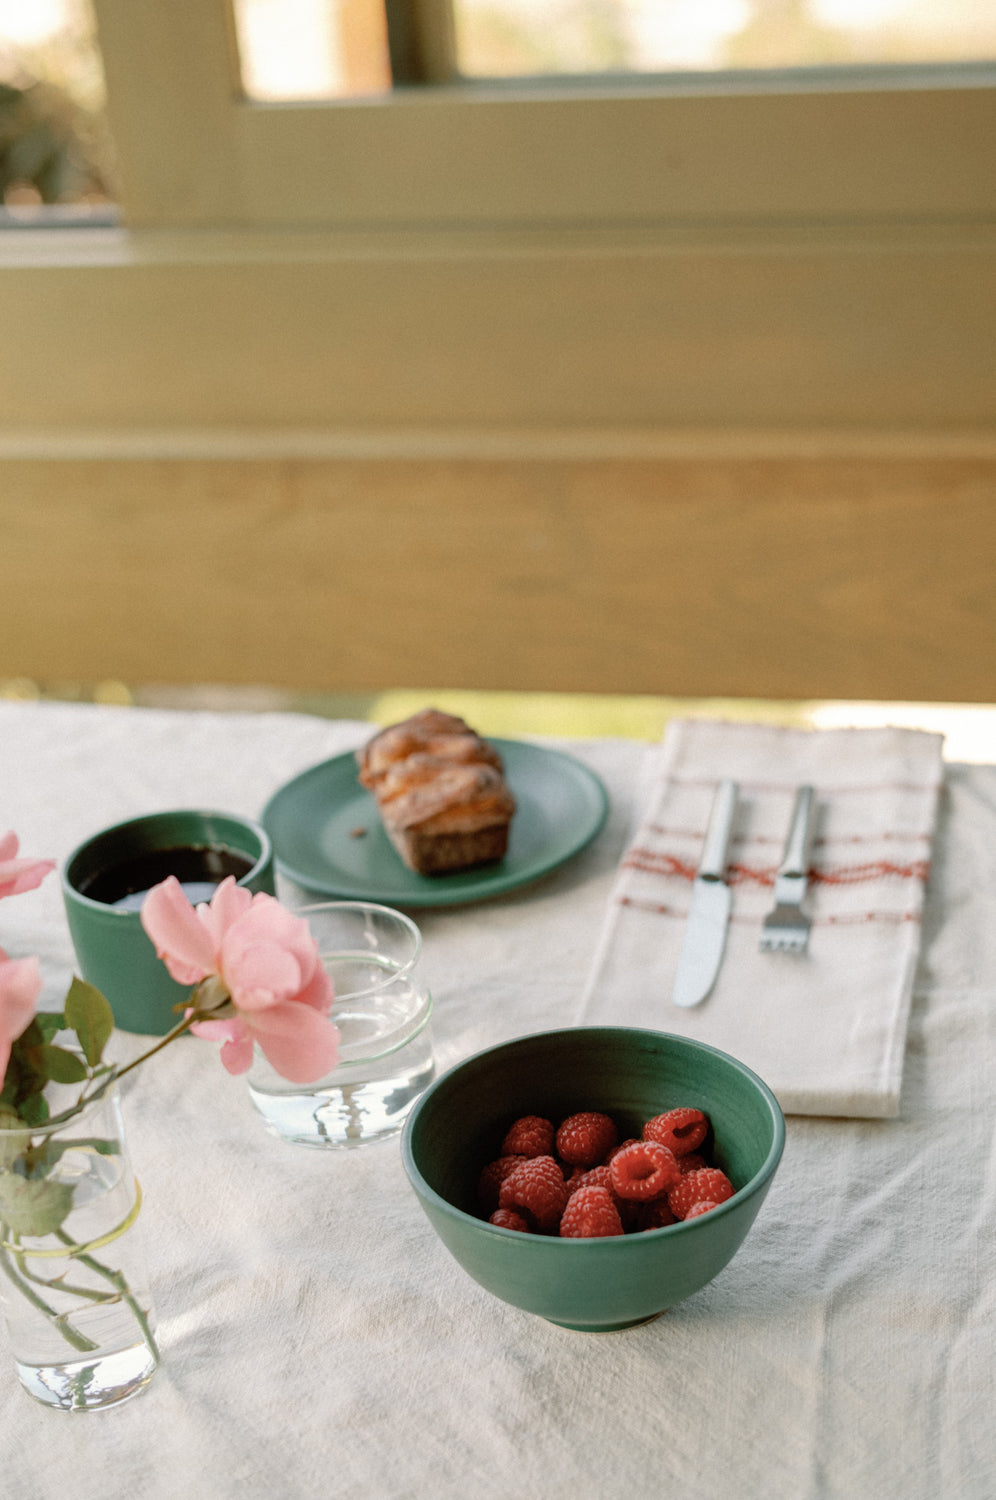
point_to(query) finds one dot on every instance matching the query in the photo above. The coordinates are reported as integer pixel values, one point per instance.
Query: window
(797, 248)
(530, 111)
(311, 49)
(794, 146)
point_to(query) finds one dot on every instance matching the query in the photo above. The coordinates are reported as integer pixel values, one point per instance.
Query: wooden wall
(746, 575)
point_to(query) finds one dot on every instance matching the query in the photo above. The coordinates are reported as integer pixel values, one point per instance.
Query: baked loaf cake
(441, 792)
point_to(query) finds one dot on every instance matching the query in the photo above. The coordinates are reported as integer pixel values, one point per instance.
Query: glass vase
(72, 1272)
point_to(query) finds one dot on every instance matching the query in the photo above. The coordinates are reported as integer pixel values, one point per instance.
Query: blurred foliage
(505, 38)
(55, 144)
(568, 36)
(43, 145)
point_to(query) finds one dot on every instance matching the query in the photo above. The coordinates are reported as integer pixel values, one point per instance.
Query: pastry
(430, 732)
(441, 792)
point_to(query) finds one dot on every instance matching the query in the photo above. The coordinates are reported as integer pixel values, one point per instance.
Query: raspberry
(682, 1130)
(491, 1179)
(535, 1189)
(602, 1177)
(507, 1218)
(593, 1177)
(585, 1139)
(530, 1136)
(691, 1162)
(653, 1215)
(644, 1170)
(630, 1141)
(590, 1214)
(707, 1185)
(702, 1207)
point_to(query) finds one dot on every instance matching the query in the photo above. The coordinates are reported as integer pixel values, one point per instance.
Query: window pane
(55, 146)
(504, 38)
(312, 49)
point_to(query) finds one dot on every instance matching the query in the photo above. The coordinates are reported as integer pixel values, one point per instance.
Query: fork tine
(784, 943)
(786, 927)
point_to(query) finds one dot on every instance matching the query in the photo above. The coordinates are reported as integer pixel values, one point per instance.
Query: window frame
(781, 257)
(805, 146)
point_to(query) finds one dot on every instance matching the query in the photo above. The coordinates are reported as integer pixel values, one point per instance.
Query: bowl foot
(607, 1327)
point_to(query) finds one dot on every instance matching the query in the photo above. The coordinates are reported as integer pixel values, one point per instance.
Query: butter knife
(705, 935)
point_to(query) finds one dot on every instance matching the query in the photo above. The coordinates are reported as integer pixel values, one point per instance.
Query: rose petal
(217, 1031)
(318, 992)
(267, 921)
(227, 904)
(20, 984)
(17, 875)
(237, 1055)
(21, 875)
(259, 975)
(181, 940)
(236, 1042)
(301, 1044)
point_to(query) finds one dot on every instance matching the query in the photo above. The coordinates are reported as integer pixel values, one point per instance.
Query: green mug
(104, 882)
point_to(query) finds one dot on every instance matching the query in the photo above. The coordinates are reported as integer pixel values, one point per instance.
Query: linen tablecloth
(317, 1338)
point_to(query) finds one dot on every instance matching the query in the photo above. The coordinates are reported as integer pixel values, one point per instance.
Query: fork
(786, 927)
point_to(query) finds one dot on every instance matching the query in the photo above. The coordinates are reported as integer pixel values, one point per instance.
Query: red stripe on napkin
(842, 919)
(652, 862)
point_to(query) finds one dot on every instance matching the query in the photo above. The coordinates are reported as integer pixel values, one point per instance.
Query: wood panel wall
(763, 577)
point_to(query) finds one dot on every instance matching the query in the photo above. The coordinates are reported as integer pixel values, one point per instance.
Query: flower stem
(69, 1333)
(112, 1076)
(164, 1041)
(89, 1293)
(118, 1281)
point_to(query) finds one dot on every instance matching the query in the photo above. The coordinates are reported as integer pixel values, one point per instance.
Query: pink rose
(268, 966)
(17, 875)
(20, 982)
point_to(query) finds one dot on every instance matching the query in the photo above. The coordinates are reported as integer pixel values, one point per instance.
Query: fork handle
(795, 858)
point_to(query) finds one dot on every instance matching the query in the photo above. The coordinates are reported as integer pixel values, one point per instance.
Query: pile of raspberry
(578, 1180)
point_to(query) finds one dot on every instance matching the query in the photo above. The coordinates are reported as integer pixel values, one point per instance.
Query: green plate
(314, 824)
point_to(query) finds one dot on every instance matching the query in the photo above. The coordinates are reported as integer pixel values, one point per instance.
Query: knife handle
(717, 840)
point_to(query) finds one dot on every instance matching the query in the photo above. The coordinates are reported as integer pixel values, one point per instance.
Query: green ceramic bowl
(598, 1284)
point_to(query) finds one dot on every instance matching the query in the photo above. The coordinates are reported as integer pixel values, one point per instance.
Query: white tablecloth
(319, 1341)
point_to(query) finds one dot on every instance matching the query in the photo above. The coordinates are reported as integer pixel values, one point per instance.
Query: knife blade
(705, 933)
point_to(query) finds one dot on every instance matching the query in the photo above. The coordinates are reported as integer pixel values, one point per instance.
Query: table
(318, 1339)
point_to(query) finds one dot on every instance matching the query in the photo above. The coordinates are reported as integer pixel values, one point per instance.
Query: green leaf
(33, 1207)
(50, 1023)
(46, 1156)
(33, 1109)
(14, 1138)
(26, 1078)
(89, 1014)
(62, 1066)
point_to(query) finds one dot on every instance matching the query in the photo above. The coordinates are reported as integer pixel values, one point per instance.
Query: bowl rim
(760, 1177)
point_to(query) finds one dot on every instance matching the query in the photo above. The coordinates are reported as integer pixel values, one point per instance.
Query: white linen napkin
(825, 1030)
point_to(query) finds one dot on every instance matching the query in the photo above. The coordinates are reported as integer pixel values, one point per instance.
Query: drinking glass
(382, 1008)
